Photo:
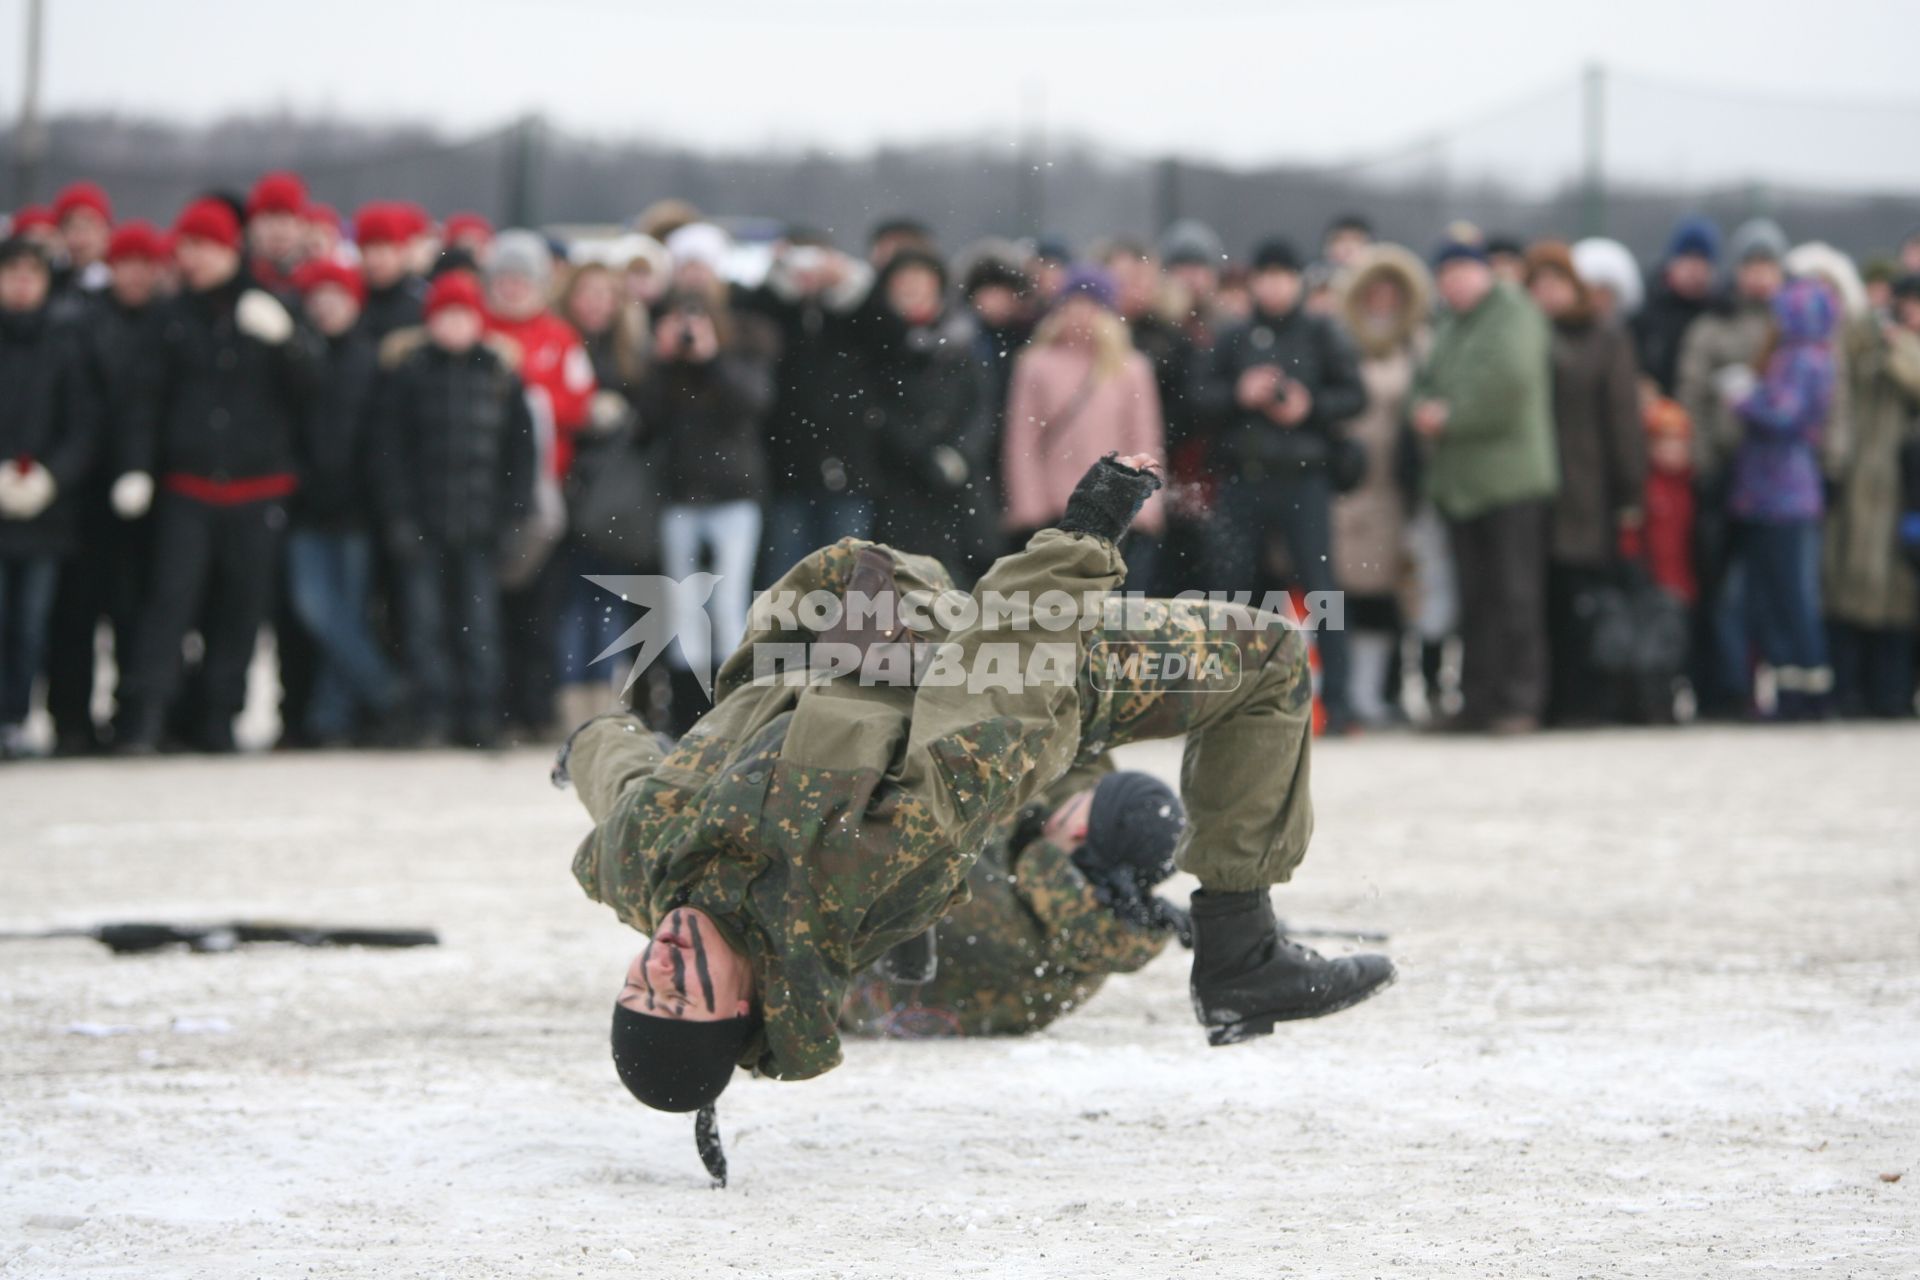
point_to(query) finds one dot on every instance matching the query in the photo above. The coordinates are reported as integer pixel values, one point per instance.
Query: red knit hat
(380, 222)
(29, 216)
(82, 195)
(138, 239)
(467, 224)
(208, 219)
(277, 193)
(454, 289)
(317, 212)
(414, 217)
(328, 271)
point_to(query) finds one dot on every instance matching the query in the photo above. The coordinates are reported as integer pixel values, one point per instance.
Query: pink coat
(1044, 456)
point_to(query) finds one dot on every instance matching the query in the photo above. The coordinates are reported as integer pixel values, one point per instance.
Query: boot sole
(1263, 1024)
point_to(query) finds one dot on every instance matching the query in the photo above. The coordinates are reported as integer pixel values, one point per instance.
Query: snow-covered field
(1659, 1015)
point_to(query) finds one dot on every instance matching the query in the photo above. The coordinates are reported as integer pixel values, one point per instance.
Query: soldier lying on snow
(801, 831)
(1060, 899)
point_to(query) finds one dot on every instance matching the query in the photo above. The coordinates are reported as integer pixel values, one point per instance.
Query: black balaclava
(674, 1065)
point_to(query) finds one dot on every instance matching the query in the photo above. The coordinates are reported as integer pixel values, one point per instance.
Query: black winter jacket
(1310, 350)
(817, 438)
(1659, 329)
(398, 306)
(120, 341)
(705, 419)
(336, 494)
(49, 415)
(454, 449)
(218, 403)
(933, 432)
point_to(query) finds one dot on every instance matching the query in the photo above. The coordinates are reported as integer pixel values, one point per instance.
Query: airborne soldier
(801, 831)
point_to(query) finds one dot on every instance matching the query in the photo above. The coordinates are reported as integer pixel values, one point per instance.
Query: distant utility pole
(523, 173)
(29, 138)
(1593, 121)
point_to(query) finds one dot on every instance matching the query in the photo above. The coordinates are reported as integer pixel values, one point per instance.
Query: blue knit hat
(1694, 236)
(1090, 282)
(1455, 247)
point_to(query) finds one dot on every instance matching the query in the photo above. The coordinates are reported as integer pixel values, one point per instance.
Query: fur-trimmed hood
(1817, 261)
(401, 343)
(1404, 268)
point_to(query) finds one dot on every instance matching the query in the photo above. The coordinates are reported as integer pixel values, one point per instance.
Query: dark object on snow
(136, 938)
(1247, 975)
(1107, 499)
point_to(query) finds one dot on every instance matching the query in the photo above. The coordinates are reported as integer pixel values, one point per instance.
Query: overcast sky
(1240, 80)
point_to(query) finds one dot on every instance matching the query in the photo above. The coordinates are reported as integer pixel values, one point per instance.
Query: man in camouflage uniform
(1043, 930)
(797, 834)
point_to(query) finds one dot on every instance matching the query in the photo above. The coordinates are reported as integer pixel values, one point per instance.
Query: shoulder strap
(1052, 427)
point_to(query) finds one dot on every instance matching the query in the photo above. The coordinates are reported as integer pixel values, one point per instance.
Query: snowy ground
(1659, 1014)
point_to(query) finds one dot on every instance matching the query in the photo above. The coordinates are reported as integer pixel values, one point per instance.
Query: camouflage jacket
(1033, 943)
(822, 824)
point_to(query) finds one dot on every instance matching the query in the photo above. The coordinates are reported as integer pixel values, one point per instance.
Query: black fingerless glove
(1107, 499)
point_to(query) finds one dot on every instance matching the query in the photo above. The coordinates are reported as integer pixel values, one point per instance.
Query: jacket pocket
(845, 729)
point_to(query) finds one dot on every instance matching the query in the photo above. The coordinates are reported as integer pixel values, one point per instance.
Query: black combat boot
(1247, 976)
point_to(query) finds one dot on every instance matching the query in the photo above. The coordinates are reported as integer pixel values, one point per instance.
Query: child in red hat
(276, 229)
(36, 223)
(457, 468)
(85, 216)
(382, 234)
(355, 693)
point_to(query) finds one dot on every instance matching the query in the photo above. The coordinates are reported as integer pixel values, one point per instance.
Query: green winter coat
(821, 825)
(1866, 581)
(1492, 367)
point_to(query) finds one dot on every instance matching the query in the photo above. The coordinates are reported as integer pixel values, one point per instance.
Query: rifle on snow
(138, 937)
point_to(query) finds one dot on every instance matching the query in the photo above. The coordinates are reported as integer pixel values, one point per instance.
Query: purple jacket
(1776, 470)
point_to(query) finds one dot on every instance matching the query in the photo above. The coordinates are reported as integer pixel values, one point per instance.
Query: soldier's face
(689, 971)
(1067, 825)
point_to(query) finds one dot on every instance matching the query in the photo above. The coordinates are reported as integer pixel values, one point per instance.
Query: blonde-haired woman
(1386, 297)
(1080, 392)
(614, 332)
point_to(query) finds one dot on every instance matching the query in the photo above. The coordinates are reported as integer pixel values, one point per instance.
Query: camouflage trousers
(1235, 682)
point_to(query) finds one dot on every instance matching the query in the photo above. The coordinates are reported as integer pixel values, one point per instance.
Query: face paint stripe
(679, 973)
(700, 963)
(647, 974)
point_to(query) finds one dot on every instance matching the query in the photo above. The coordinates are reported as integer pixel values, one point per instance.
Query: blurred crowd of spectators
(1546, 487)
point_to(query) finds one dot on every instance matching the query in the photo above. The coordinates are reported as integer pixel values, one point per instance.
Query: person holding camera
(703, 398)
(1282, 385)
